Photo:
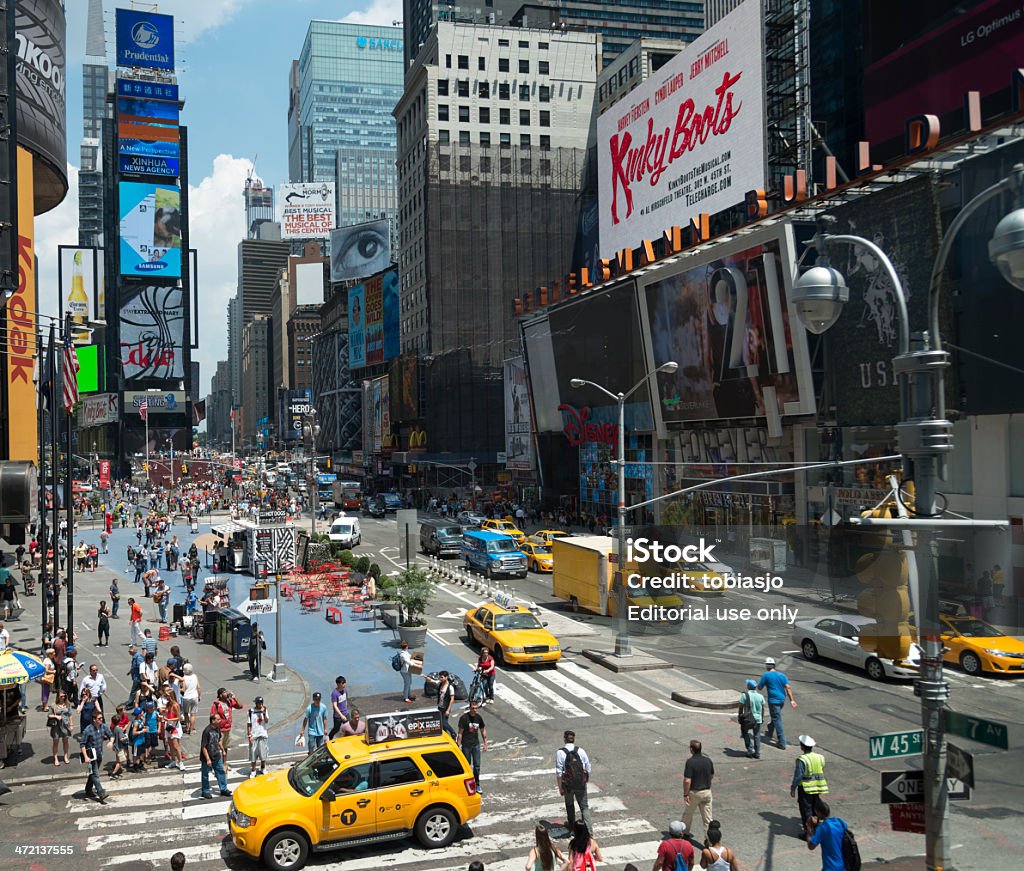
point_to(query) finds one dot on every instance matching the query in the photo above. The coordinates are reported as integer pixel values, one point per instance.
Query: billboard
(309, 283)
(150, 229)
(77, 276)
(20, 325)
(98, 409)
(360, 250)
(356, 327)
(908, 72)
(293, 405)
(306, 210)
(90, 364)
(41, 100)
(690, 139)
(725, 317)
(152, 333)
(392, 306)
(148, 157)
(145, 39)
(373, 320)
(518, 429)
(404, 386)
(157, 402)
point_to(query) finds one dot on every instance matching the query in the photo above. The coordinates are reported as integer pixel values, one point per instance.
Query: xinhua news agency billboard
(690, 139)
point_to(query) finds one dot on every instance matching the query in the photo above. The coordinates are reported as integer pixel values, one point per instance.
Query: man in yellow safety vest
(808, 780)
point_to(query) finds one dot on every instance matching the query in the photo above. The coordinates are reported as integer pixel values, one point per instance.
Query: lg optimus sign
(690, 139)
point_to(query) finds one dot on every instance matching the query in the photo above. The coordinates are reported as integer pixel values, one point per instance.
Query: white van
(346, 531)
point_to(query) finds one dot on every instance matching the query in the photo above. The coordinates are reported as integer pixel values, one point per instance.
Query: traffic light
(184, 468)
(887, 600)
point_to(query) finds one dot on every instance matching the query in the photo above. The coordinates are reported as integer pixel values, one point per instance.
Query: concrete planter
(390, 614)
(415, 636)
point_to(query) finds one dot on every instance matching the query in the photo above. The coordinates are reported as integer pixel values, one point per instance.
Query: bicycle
(476, 688)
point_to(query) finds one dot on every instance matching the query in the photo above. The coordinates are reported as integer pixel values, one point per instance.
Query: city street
(636, 737)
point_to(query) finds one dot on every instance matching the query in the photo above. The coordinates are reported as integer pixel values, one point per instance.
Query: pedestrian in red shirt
(674, 845)
(224, 706)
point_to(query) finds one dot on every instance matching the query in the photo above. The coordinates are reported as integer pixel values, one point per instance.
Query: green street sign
(977, 729)
(896, 744)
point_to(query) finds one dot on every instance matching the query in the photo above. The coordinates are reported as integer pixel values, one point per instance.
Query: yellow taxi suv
(505, 527)
(404, 777)
(977, 646)
(538, 556)
(512, 632)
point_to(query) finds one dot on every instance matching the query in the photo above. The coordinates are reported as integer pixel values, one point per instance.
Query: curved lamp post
(924, 438)
(622, 645)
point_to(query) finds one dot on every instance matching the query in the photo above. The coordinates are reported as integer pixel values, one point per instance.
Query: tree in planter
(416, 589)
(345, 557)
(374, 571)
(362, 565)
(387, 588)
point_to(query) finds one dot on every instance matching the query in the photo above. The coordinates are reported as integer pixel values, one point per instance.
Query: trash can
(178, 612)
(232, 632)
(210, 620)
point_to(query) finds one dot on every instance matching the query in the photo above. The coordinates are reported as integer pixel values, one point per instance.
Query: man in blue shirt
(315, 723)
(827, 832)
(778, 691)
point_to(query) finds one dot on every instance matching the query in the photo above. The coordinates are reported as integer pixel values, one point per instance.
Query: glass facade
(346, 82)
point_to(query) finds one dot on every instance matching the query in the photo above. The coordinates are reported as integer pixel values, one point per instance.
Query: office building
(235, 345)
(636, 64)
(303, 325)
(95, 77)
(302, 282)
(716, 10)
(342, 89)
(260, 262)
(218, 406)
(419, 16)
(256, 391)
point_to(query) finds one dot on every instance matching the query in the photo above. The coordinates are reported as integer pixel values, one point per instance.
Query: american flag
(144, 409)
(70, 374)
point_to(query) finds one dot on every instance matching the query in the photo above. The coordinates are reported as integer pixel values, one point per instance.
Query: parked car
(837, 637)
(374, 507)
(470, 519)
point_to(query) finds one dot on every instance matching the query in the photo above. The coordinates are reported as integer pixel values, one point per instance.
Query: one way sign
(903, 786)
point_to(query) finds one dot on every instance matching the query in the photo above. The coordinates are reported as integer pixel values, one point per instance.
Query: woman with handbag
(58, 719)
(46, 681)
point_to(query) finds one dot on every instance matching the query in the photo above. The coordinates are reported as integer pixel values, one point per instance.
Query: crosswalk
(151, 817)
(569, 692)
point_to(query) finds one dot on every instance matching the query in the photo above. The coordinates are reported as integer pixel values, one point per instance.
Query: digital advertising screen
(150, 230)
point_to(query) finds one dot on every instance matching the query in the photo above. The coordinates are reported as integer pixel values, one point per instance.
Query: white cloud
(58, 226)
(194, 17)
(378, 12)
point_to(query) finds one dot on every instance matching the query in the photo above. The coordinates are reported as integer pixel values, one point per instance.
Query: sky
(233, 59)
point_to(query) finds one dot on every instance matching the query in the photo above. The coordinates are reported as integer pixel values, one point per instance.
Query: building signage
(896, 744)
(19, 333)
(150, 229)
(171, 402)
(145, 90)
(381, 728)
(306, 210)
(379, 42)
(373, 320)
(983, 731)
(579, 429)
(105, 464)
(688, 139)
(98, 409)
(145, 39)
(902, 786)
(518, 423)
(152, 333)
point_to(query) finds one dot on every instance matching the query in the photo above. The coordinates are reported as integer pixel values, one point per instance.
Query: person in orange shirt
(136, 622)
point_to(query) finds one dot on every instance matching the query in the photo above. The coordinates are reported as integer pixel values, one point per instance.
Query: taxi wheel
(436, 827)
(286, 850)
(499, 655)
(971, 663)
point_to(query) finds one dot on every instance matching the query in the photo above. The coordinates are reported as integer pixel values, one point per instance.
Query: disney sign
(579, 429)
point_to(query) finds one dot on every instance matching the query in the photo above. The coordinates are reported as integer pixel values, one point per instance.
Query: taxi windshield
(974, 629)
(541, 548)
(504, 622)
(501, 545)
(312, 772)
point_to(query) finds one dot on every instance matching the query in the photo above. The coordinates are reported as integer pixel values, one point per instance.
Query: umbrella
(18, 667)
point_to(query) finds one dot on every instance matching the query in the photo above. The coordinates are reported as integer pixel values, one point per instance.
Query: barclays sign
(379, 42)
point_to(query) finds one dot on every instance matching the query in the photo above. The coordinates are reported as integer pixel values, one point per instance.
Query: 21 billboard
(690, 139)
(518, 425)
(145, 39)
(150, 230)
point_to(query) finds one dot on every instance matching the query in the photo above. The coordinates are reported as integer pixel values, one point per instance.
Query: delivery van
(441, 538)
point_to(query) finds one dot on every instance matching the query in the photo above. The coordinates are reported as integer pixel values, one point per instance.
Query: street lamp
(924, 437)
(311, 429)
(622, 645)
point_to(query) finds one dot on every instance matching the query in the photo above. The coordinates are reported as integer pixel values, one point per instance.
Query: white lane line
(517, 701)
(197, 855)
(619, 693)
(613, 856)
(603, 704)
(561, 705)
(200, 832)
(601, 804)
(438, 638)
(162, 791)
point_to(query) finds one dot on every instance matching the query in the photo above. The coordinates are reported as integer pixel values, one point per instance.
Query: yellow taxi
(544, 536)
(512, 632)
(505, 527)
(404, 777)
(977, 646)
(538, 556)
(702, 579)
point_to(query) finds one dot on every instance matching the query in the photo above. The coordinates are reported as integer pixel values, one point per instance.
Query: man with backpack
(675, 853)
(839, 850)
(572, 773)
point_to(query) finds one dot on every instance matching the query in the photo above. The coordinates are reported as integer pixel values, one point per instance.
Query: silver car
(470, 519)
(837, 637)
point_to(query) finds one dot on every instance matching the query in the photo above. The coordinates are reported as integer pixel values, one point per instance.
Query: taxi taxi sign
(399, 725)
(505, 600)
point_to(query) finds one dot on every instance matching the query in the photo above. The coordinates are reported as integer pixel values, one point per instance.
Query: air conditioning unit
(491, 18)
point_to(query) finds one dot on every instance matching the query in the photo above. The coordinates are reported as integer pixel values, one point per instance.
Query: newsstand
(231, 632)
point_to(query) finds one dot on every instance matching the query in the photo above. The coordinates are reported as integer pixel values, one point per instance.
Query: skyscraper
(95, 74)
(342, 89)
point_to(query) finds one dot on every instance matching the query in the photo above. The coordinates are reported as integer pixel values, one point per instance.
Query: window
(444, 764)
(524, 44)
(525, 166)
(485, 140)
(465, 163)
(524, 140)
(543, 46)
(463, 62)
(505, 138)
(481, 64)
(502, 64)
(485, 162)
(503, 91)
(504, 116)
(463, 137)
(448, 61)
(444, 162)
(544, 94)
(524, 92)
(524, 65)
(524, 117)
(545, 167)
(442, 87)
(545, 143)
(463, 114)
(483, 90)
(545, 118)
(485, 115)
(503, 43)
(543, 67)
(395, 772)
(442, 112)
(353, 779)
(463, 87)
(442, 137)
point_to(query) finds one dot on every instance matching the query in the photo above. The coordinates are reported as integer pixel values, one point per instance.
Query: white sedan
(837, 637)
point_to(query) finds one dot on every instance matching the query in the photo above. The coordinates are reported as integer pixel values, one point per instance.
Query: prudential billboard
(145, 39)
(688, 140)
